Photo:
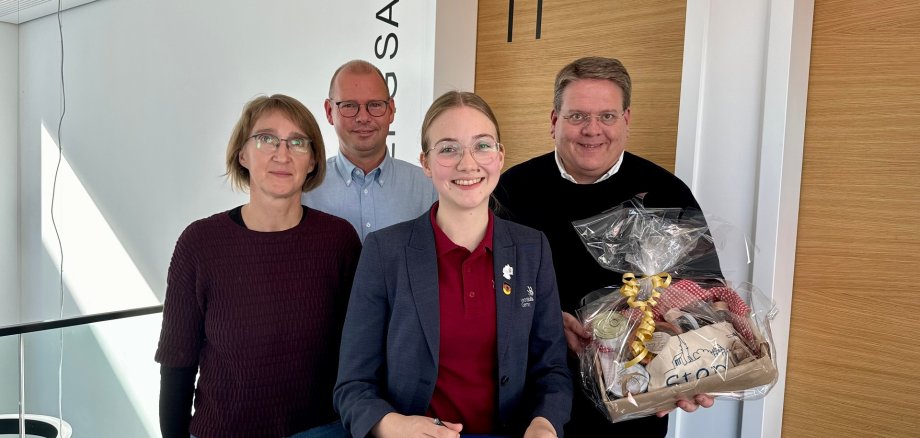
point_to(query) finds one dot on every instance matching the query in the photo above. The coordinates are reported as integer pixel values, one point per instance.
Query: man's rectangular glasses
(579, 119)
(350, 108)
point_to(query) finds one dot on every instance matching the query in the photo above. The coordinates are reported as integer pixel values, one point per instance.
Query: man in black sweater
(589, 172)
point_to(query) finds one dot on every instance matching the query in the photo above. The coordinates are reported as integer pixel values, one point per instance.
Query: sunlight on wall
(101, 274)
(100, 277)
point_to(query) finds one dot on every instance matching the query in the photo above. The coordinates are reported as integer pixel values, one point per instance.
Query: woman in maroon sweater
(256, 295)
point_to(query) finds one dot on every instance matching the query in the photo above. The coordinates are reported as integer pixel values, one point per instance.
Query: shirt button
(472, 294)
(365, 191)
(368, 225)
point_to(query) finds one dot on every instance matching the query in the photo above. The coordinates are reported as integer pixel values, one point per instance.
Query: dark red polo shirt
(465, 391)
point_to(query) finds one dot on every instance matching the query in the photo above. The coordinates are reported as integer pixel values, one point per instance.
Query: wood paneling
(854, 359)
(516, 78)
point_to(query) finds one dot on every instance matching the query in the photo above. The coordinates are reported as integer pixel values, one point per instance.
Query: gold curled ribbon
(630, 290)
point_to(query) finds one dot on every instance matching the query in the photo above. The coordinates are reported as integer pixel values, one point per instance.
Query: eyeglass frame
(275, 148)
(463, 148)
(386, 106)
(589, 117)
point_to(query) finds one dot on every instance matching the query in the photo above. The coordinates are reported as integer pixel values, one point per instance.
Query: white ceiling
(20, 11)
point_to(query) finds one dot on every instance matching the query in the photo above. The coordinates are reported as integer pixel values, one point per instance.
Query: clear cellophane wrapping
(673, 328)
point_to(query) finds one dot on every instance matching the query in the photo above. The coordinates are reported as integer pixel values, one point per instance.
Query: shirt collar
(444, 245)
(346, 169)
(567, 176)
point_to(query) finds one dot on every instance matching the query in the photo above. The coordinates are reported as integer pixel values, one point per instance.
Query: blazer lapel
(503, 257)
(422, 262)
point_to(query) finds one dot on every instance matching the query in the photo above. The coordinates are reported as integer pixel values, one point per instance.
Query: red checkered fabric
(686, 293)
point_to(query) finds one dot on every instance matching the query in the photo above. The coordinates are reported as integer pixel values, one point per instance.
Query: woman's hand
(395, 425)
(700, 400)
(540, 427)
(576, 336)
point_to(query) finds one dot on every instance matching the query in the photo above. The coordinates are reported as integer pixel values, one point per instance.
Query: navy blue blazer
(389, 355)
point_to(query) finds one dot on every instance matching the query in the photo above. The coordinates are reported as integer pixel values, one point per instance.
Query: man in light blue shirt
(364, 184)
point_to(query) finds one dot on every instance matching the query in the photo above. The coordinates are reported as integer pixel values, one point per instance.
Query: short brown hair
(299, 115)
(455, 99)
(593, 67)
(359, 66)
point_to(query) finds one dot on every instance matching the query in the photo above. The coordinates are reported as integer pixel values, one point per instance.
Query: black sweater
(533, 193)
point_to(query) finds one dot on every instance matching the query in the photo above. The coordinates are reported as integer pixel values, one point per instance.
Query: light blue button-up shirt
(394, 192)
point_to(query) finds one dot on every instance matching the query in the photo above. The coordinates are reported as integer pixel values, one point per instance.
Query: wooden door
(854, 347)
(521, 45)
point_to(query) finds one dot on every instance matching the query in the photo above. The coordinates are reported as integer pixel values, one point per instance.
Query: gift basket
(673, 328)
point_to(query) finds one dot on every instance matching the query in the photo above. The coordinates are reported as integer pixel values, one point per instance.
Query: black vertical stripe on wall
(539, 17)
(510, 19)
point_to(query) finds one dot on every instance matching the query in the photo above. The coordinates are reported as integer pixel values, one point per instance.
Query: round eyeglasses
(578, 119)
(350, 108)
(449, 153)
(269, 144)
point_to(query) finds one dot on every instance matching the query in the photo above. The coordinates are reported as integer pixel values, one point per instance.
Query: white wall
(9, 173)
(719, 144)
(455, 46)
(9, 212)
(152, 92)
(740, 139)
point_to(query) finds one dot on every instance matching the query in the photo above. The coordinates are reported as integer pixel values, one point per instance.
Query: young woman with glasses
(454, 322)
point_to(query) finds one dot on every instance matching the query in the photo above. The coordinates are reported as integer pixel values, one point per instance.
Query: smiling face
(467, 184)
(589, 150)
(279, 174)
(362, 136)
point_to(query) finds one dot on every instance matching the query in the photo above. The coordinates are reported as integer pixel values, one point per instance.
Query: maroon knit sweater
(261, 315)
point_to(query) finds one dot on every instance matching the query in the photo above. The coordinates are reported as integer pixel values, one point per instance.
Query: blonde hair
(455, 99)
